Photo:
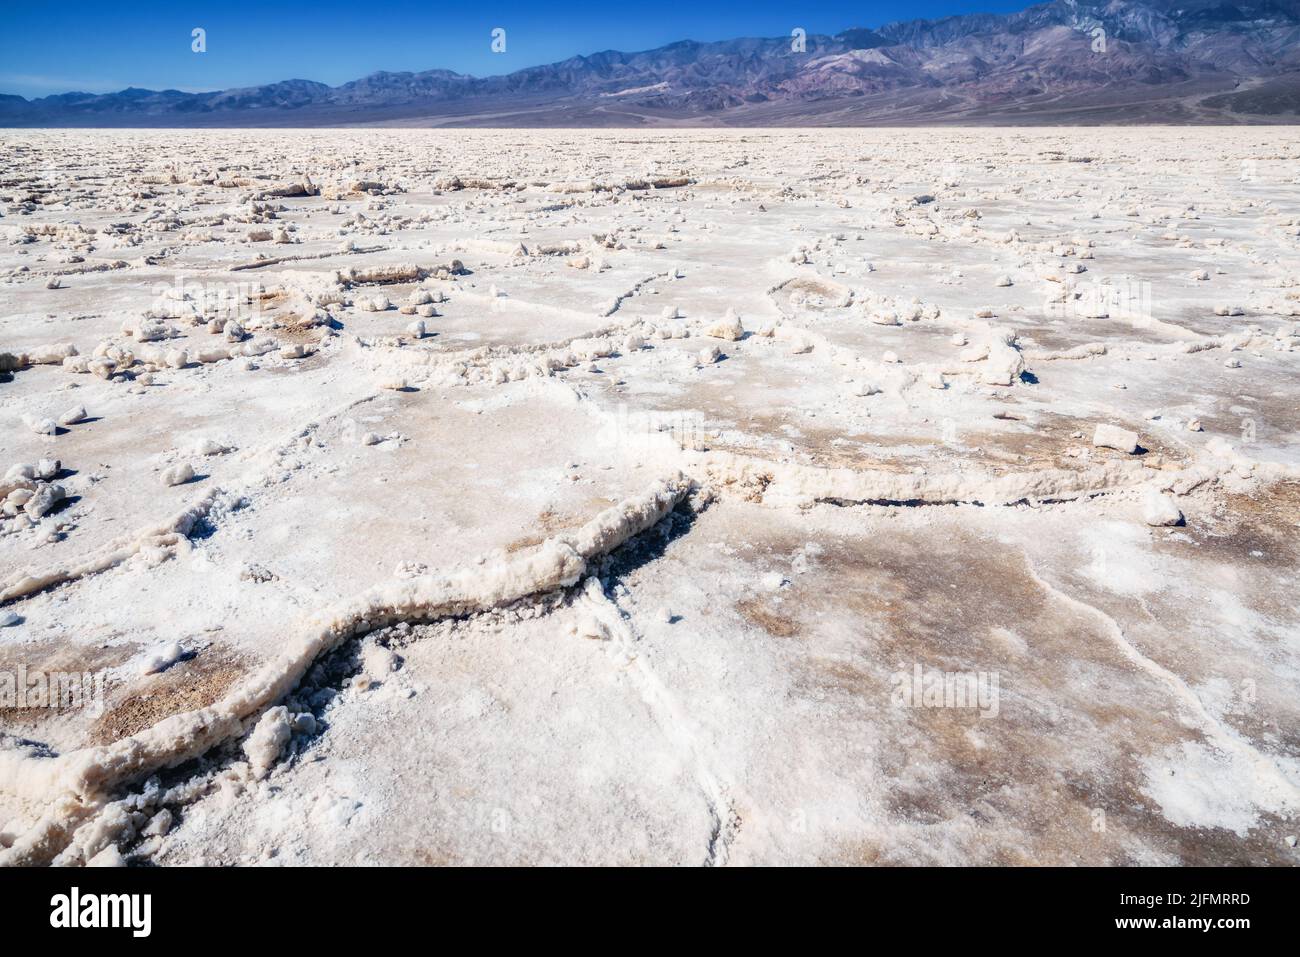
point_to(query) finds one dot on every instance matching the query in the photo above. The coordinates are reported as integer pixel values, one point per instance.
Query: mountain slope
(1063, 61)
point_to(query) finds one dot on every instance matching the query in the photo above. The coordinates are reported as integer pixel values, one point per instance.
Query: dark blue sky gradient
(57, 47)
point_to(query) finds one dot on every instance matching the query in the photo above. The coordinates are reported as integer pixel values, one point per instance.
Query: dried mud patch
(765, 615)
(1073, 717)
(1044, 439)
(1260, 526)
(49, 656)
(550, 523)
(186, 686)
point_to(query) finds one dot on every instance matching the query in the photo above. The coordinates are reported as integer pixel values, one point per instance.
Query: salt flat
(719, 497)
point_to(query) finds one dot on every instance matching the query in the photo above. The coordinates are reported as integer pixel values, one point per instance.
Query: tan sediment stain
(761, 613)
(1074, 725)
(1263, 525)
(549, 522)
(185, 686)
(48, 656)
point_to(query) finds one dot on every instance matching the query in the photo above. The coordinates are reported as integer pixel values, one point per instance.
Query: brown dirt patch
(761, 613)
(186, 686)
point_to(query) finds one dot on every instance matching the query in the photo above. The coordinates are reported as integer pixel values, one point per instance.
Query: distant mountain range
(1068, 61)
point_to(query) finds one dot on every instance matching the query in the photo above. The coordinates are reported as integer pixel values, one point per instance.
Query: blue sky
(57, 47)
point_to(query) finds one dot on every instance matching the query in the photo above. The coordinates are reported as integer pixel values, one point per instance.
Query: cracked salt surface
(588, 509)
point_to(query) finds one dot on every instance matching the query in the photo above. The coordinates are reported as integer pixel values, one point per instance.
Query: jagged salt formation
(78, 785)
